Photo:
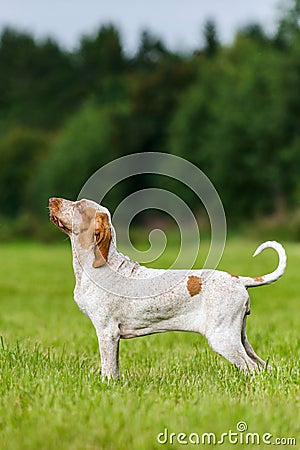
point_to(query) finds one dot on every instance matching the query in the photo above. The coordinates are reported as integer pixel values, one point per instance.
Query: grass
(50, 389)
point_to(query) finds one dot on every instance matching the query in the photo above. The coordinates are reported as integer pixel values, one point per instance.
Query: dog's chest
(81, 300)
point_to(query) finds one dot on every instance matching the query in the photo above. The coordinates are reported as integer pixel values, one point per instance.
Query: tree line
(231, 109)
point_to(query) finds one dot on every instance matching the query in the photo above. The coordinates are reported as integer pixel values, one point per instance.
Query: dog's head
(86, 221)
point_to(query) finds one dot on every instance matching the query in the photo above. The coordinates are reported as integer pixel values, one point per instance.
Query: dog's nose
(54, 202)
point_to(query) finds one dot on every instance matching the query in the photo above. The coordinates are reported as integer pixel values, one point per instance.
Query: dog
(125, 300)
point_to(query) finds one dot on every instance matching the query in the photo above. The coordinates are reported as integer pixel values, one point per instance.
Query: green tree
(154, 97)
(90, 139)
(289, 24)
(229, 123)
(21, 153)
(255, 32)
(100, 57)
(150, 52)
(211, 40)
(37, 81)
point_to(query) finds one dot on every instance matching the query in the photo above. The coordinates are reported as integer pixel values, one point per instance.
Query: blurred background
(215, 82)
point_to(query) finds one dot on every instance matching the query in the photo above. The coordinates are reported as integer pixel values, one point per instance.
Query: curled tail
(271, 277)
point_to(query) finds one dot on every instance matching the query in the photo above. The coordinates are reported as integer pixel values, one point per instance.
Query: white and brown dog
(126, 300)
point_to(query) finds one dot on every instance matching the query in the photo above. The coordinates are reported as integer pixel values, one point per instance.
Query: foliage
(100, 57)
(38, 86)
(288, 27)
(233, 110)
(90, 139)
(236, 123)
(22, 151)
(211, 38)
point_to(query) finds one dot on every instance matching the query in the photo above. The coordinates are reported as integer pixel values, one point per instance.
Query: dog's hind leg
(236, 355)
(250, 352)
(229, 346)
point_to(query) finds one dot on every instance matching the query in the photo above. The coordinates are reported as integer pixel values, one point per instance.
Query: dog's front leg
(109, 352)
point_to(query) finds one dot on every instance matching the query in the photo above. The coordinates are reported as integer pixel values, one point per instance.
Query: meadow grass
(51, 393)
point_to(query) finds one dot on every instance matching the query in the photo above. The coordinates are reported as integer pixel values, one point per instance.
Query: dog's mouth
(59, 223)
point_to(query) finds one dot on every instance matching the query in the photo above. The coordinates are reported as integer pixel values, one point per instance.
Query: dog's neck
(83, 261)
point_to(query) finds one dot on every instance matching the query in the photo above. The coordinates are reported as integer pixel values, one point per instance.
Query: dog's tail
(271, 277)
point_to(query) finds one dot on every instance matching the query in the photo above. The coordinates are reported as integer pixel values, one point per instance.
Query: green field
(51, 393)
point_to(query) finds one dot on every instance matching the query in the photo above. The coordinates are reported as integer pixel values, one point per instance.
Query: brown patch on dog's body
(234, 276)
(259, 279)
(194, 285)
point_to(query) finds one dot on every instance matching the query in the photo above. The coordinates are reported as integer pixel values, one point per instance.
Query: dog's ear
(102, 235)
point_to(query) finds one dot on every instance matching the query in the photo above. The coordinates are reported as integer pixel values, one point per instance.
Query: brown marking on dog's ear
(194, 285)
(102, 239)
(87, 228)
(259, 279)
(234, 276)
